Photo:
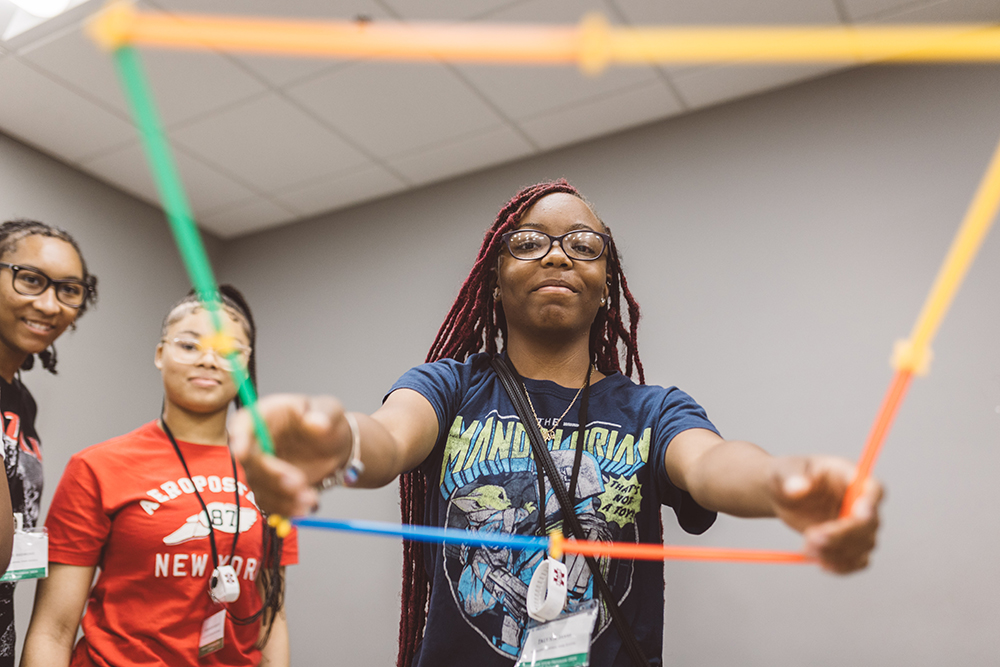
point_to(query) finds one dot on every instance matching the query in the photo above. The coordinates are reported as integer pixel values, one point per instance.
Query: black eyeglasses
(32, 282)
(528, 244)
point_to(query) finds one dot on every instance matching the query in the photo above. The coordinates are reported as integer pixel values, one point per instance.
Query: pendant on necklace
(547, 433)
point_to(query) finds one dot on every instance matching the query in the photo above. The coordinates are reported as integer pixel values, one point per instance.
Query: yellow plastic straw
(912, 357)
(976, 225)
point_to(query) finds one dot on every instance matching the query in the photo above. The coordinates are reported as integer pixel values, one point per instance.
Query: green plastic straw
(180, 217)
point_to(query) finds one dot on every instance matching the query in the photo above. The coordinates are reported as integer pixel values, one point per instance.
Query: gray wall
(778, 245)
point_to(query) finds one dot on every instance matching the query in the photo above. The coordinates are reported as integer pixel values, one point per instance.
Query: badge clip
(547, 591)
(224, 585)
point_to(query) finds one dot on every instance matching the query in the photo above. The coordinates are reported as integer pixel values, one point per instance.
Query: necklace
(550, 433)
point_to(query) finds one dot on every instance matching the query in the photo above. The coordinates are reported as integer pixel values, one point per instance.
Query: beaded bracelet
(349, 474)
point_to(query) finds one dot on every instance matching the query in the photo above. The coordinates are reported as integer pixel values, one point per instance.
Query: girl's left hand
(807, 494)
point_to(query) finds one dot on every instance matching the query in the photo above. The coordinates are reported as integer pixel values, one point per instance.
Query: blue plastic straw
(427, 533)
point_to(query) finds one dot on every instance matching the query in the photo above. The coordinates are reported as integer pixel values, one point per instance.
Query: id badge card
(29, 556)
(563, 642)
(213, 634)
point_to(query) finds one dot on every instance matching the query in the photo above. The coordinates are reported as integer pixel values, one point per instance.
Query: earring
(496, 293)
(604, 300)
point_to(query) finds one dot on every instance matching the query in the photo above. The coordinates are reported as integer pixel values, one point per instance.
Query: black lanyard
(208, 517)
(581, 430)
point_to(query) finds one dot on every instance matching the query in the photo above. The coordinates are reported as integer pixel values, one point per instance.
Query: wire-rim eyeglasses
(189, 351)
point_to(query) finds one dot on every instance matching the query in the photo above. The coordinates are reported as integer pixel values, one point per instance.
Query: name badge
(29, 557)
(213, 633)
(563, 642)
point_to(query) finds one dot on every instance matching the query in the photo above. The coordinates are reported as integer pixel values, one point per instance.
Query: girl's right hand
(312, 440)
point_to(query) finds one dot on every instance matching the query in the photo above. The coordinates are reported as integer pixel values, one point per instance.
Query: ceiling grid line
(842, 13)
(493, 107)
(344, 136)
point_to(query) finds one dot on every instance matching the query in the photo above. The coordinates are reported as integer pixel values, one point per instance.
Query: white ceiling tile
(7, 10)
(45, 114)
(186, 84)
(391, 108)
(71, 57)
(250, 216)
(951, 11)
(565, 12)
(446, 10)
(490, 148)
(268, 143)
(340, 190)
(712, 85)
(638, 105)
(22, 27)
(860, 10)
(650, 12)
(279, 70)
(522, 92)
(20, 23)
(298, 9)
(207, 189)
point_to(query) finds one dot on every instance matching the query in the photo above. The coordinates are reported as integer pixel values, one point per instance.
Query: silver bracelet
(349, 474)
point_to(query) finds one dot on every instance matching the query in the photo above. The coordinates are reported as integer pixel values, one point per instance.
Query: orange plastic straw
(886, 415)
(662, 552)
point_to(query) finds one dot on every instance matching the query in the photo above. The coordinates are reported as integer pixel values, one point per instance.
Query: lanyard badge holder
(563, 642)
(547, 591)
(223, 585)
(511, 384)
(29, 558)
(556, 637)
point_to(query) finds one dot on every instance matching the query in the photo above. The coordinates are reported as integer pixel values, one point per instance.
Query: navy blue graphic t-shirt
(481, 476)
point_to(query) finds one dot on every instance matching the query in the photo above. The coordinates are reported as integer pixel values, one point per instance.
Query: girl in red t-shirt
(189, 572)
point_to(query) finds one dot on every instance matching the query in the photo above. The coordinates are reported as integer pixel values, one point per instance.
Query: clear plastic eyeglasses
(529, 244)
(191, 350)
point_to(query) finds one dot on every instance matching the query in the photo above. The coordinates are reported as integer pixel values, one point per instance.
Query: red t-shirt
(127, 506)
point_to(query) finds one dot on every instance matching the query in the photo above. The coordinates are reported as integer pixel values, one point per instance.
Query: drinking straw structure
(593, 45)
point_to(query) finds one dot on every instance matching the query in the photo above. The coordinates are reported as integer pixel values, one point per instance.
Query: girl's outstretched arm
(806, 493)
(313, 440)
